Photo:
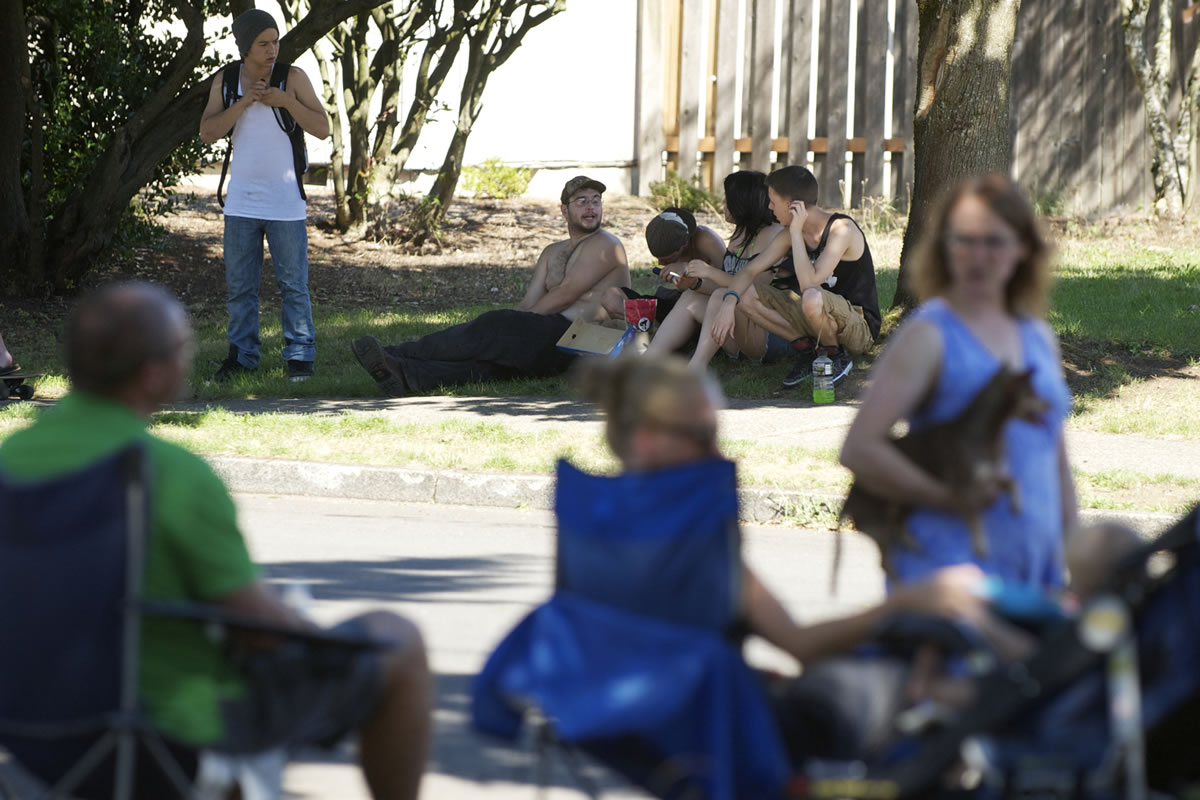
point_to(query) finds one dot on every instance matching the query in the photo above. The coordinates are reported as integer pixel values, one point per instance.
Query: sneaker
(373, 358)
(841, 364)
(299, 370)
(800, 372)
(802, 368)
(230, 367)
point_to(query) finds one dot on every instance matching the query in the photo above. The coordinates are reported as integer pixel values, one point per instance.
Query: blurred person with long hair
(982, 273)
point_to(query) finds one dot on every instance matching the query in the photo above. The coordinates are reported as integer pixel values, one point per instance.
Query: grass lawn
(378, 439)
(1126, 306)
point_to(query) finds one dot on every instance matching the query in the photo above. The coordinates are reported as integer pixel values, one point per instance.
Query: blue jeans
(243, 272)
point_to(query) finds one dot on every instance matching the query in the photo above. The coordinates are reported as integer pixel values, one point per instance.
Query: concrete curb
(268, 476)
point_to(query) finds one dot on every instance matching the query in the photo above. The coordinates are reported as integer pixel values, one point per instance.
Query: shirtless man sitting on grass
(569, 280)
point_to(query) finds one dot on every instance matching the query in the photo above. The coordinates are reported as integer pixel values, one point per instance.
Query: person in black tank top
(824, 302)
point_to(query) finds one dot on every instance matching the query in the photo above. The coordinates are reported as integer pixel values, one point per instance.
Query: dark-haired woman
(747, 209)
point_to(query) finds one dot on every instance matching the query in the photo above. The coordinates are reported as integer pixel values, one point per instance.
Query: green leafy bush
(675, 192)
(494, 178)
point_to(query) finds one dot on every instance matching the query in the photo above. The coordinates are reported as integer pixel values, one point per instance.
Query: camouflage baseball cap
(581, 182)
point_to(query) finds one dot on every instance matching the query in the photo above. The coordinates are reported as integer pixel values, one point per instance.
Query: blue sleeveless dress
(1023, 548)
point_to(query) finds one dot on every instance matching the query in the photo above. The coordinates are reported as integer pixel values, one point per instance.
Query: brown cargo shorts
(853, 333)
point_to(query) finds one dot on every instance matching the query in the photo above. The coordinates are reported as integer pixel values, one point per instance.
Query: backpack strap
(287, 123)
(231, 76)
(230, 91)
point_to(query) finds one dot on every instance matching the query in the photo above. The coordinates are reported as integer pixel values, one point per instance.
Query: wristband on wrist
(696, 286)
(737, 297)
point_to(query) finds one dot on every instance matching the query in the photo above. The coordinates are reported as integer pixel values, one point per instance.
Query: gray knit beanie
(248, 26)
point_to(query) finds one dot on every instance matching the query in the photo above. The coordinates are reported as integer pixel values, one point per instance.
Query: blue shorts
(777, 350)
(303, 693)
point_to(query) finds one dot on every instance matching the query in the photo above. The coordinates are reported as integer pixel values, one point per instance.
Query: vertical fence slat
(1091, 120)
(906, 31)
(748, 78)
(1078, 118)
(691, 59)
(872, 76)
(672, 19)
(710, 91)
(651, 139)
(727, 21)
(1134, 163)
(1054, 100)
(1073, 37)
(835, 33)
(1024, 67)
(1112, 60)
(799, 65)
(764, 71)
(1034, 141)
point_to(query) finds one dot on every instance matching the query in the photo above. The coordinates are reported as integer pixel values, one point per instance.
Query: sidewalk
(778, 422)
(775, 421)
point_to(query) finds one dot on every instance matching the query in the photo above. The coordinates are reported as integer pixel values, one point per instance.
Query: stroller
(636, 660)
(1108, 706)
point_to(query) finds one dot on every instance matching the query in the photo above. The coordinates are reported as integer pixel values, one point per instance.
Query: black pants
(493, 346)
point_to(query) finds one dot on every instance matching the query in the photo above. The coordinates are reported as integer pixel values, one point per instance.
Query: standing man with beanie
(265, 196)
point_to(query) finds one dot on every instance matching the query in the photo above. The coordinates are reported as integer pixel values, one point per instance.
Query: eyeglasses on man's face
(584, 201)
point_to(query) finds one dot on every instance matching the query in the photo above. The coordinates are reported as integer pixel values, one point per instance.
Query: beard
(584, 226)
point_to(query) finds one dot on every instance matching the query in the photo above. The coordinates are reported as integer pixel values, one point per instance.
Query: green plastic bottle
(822, 379)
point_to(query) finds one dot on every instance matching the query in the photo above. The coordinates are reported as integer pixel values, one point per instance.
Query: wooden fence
(829, 84)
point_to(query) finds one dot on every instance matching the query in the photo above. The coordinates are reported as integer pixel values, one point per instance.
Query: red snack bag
(640, 313)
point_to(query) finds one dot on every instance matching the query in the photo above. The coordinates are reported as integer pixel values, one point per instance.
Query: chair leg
(126, 762)
(170, 766)
(83, 767)
(581, 779)
(541, 757)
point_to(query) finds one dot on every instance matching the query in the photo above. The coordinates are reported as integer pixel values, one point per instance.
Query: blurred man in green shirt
(129, 350)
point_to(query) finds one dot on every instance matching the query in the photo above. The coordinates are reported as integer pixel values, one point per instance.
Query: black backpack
(230, 76)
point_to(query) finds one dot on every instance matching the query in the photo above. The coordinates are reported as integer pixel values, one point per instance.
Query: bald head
(118, 329)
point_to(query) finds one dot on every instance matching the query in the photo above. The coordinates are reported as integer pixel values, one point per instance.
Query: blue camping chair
(71, 555)
(636, 657)
(71, 569)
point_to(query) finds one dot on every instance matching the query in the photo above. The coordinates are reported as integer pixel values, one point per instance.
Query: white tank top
(262, 177)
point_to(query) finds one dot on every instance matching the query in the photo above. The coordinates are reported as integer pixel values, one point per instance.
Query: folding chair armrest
(909, 630)
(223, 620)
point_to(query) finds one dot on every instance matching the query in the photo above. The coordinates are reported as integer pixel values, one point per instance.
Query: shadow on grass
(1097, 370)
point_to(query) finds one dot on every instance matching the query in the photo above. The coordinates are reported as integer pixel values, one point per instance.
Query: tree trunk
(83, 225)
(960, 122)
(1171, 147)
(442, 193)
(358, 88)
(14, 77)
(493, 38)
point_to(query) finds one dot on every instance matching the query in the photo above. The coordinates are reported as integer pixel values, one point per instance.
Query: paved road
(466, 576)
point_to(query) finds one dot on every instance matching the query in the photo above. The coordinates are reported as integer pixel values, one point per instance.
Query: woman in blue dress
(983, 276)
